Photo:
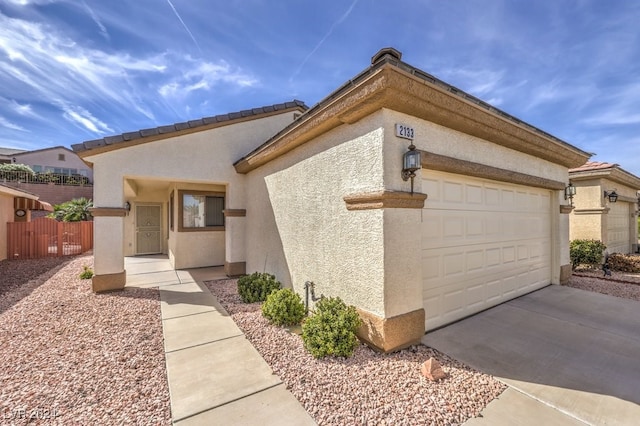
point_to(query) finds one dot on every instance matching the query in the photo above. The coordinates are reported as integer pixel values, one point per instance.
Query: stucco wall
(370, 258)
(298, 226)
(589, 220)
(437, 139)
(6, 215)
(202, 160)
(204, 157)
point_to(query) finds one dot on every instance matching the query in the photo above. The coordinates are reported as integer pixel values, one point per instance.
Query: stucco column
(234, 253)
(108, 249)
(108, 231)
(403, 323)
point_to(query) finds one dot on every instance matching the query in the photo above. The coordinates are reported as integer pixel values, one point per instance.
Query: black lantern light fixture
(569, 192)
(127, 206)
(611, 195)
(411, 162)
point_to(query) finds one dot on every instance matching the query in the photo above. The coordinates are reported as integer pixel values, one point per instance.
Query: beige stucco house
(318, 195)
(596, 215)
(56, 159)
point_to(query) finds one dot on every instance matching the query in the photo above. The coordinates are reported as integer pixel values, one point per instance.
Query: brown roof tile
(594, 165)
(163, 130)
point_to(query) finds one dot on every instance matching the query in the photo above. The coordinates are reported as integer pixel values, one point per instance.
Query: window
(37, 169)
(200, 211)
(60, 157)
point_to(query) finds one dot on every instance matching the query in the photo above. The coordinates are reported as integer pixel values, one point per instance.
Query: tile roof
(10, 151)
(594, 165)
(192, 124)
(393, 57)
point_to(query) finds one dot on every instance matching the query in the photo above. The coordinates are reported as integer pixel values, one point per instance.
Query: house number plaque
(403, 131)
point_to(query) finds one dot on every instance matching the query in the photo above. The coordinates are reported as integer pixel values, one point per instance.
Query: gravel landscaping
(69, 356)
(368, 388)
(619, 284)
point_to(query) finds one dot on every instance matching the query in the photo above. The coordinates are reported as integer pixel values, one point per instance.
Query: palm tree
(75, 210)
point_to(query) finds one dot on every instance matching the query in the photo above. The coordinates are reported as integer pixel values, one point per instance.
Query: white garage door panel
(618, 228)
(483, 242)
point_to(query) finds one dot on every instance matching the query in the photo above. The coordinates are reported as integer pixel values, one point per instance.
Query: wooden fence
(45, 237)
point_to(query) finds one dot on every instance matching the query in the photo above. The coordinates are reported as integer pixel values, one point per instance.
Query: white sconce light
(411, 162)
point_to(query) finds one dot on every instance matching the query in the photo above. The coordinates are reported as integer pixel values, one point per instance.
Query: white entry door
(483, 242)
(148, 231)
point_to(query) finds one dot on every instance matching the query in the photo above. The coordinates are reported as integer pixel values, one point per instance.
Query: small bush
(586, 252)
(331, 330)
(624, 262)
(87, 273)
(283, 307)
(257, 286)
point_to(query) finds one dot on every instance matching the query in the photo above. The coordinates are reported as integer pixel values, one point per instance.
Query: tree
(75, 210)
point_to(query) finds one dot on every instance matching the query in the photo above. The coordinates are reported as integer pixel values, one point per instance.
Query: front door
(148, 232)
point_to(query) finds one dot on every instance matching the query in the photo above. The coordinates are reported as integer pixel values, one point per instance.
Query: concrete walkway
(569, 357)
(215, 375)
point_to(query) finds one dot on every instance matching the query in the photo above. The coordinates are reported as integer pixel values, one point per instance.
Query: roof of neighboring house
(391, 83)
(6, 189)
(594, 165)
(10, 151)
(162, 132)
(601, 169)
(43, 149)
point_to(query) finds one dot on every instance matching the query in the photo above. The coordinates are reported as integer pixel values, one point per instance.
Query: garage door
(483, 242)
(618, 228)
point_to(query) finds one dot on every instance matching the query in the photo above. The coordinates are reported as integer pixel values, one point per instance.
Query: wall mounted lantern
(127, 206)
(411, 162)
(611, 195)
(569, 192)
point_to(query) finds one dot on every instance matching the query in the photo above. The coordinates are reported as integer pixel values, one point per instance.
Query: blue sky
(75, 70)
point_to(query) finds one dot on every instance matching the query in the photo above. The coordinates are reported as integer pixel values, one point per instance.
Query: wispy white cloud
(8, 124)
(618, 106)
(80, 116)
(340, 20)
(200, 75)
(21, 109)
(184, 25)
(96, 19)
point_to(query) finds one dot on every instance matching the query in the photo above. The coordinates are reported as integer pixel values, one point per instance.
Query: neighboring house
(70, 176)
(596, 215)
(6, 154)
(318, 195)
(16, 206)
(57, 159)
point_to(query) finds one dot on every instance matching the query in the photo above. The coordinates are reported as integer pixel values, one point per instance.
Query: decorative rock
(432, 370)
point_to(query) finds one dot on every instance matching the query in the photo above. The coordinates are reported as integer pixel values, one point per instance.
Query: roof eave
(614, 173)
(389, 86)
(124, 141)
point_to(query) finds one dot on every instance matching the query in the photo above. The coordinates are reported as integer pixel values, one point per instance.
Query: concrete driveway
(569, 356)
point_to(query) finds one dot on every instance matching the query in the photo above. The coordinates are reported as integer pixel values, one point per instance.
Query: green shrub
(331, 330)
(12, 172)
(87, 273)
(283, 307)
(624, 262)
(257, 286)
(586, 252)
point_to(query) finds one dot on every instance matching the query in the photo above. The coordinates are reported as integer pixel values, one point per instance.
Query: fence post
(60, 231)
